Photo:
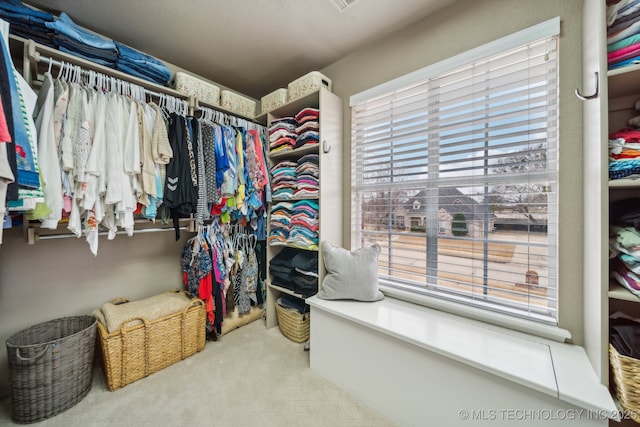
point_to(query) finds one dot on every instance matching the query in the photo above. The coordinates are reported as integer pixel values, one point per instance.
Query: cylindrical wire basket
(51, 367)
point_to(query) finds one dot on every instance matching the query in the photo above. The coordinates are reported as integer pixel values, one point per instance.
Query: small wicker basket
(51, 367)
(626, 379)
(293, 324)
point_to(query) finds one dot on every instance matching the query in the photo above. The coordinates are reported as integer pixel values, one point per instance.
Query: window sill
(557, 369)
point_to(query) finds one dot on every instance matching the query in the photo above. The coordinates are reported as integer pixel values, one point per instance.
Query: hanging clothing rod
(34, 237)
(217, 116)
(44, 54)
(48, 60)
(210, 114)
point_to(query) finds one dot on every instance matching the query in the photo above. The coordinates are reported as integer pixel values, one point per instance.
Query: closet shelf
(616, 291)
(275, 245)
(35, 54)
(625, 183)
(287, 291)
(295, 153)
(36, 58)
(624, 81)
(294, 199)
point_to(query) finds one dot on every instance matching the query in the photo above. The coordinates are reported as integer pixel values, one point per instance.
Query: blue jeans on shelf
(65, 26)
(130, 54)
(17, 8)
(147, 72)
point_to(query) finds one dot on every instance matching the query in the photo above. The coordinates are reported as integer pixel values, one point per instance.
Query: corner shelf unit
(329, 199)
(623, 91)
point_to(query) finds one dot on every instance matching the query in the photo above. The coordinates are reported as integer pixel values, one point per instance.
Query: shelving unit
(623, 91)
(607, 108)
(329, 151)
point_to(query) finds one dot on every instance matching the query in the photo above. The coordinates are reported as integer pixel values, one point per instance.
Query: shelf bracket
(588, 97)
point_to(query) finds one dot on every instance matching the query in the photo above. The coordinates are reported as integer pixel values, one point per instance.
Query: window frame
(546, 29)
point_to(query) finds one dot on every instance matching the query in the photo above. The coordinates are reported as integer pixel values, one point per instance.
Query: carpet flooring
(250, 376)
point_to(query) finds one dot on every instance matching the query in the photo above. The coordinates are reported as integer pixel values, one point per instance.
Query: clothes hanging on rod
(100, 181)
(235, 169)
(221, 265)
(104, 148)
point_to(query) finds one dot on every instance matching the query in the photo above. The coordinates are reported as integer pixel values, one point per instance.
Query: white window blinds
(455, 176)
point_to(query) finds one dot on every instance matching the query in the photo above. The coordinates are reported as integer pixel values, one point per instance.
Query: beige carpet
(250, 376)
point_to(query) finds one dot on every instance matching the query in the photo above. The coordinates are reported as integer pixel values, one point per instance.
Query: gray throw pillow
(350, 274)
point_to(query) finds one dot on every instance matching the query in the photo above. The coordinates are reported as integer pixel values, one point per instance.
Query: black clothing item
(625, 212)
(180, 193)
(283, 269)
(625, 337)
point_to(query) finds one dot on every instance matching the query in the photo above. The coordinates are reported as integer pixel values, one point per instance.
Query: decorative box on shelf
(193, 86)
(237, 103)
(307, 84)
(274, 100)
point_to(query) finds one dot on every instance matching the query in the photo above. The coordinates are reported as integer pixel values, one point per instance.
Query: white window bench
(414, 363)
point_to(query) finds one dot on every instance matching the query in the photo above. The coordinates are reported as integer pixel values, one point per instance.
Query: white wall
(57, 278)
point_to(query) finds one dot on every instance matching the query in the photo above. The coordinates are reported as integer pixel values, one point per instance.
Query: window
(455, 176)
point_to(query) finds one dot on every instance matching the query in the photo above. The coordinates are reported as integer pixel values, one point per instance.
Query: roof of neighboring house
(451, 200)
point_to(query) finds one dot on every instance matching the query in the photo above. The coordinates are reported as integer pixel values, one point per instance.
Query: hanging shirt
(48, 152)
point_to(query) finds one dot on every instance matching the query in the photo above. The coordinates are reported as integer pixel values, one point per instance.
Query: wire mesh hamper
(141, 346)
(50, 367)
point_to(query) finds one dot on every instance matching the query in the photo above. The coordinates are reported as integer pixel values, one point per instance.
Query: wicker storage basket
(51, 367)
(142, 347)
(626, 379)
(273, 100)
(237, 103)
(293, 324)
(307, 84)
(194, 86)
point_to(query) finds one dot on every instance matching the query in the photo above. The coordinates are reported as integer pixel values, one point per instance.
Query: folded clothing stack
(27, 22)
(288, 133)
(67, 36)
(136, 63)
(295, 270)
(623, 33)
(76, 40)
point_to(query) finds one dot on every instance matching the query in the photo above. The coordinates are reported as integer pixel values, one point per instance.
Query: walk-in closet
(286, 213)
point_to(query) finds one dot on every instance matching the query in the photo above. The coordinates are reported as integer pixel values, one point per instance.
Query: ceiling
(250, 46)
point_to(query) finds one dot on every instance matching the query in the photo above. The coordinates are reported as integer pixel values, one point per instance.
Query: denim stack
(64, 34)
(76, 40)
(138, 64)
(28, 23)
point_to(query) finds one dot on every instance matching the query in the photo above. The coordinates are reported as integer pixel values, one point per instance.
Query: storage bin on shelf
(626, 377)
(307, 84)
(293, 324)
(237, 103)
(50, 367)
(193, 86)
(148, 335)
(273, 100)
